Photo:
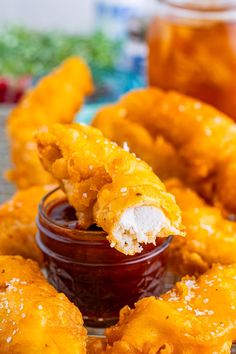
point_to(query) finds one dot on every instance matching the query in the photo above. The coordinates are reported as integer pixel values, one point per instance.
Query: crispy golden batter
(34, 318)
(17, 223)
(110, 186)
(55, 99)
(197, 316)
(204, 138)
(156, 152)
(209, 237)
(96, 345)
(114, 126)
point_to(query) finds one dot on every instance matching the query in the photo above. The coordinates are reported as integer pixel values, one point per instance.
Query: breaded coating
(17, 223)
(204, 139)
(196, 316)
(109, 186)
(34, 318)
(209, 237)
(55, 99)
(133, 136)
(115, 127)
(96, 345)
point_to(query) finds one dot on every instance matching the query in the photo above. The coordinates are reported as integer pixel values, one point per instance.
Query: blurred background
(37, 35)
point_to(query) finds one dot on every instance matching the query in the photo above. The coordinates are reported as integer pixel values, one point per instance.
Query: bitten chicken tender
(209, 237)
(17, 223)
(197, 316)
(55, 99)
(34, 318)
(155, 151)
(204, 139)
(109, 186)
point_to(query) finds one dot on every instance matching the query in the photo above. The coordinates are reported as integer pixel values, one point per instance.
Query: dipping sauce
(97, 278)
(192, 49)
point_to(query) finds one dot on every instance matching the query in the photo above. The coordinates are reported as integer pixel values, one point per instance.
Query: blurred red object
(12, 89)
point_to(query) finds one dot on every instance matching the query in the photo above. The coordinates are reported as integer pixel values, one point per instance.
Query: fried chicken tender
(156, 152)
(17, 223)
(109, 186)
(209, 237)
(34, 318)
(204, 139)
(55, 99)
(196, 316)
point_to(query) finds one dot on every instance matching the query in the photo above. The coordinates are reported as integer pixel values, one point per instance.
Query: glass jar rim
(198, 10)
(78, 236)
(99, 234)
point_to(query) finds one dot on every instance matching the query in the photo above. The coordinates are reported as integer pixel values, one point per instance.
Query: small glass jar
(96, 277)
(192, 49)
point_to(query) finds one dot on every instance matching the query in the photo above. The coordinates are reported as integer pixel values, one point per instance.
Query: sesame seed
(210, 312)
(85, 195)
(21, 307)
(125, 146)
(9, 339)
(217, 120)
(40, 307)
(197, 105)
(180, 309)
(190, 283)
(199, 313)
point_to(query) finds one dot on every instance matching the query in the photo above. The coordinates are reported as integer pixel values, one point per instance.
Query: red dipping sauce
(81, 264)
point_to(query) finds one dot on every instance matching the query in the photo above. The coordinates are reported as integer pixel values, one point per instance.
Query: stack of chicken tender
(191, 147)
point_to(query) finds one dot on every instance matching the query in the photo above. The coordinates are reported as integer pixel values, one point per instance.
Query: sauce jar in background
(192, 49)
(97, 278)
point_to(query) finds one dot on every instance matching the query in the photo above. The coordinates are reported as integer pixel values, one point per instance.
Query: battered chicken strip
(34, 318)
(156, 152)
(109, 186)
(197, 316)
(209, 237)
(17, 223)
(55, 99)
(204, 138)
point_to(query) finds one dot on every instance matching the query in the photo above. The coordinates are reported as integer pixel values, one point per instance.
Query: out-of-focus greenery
(25, 51)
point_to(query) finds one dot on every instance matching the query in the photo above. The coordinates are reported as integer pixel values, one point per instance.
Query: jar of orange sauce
(192, 49)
